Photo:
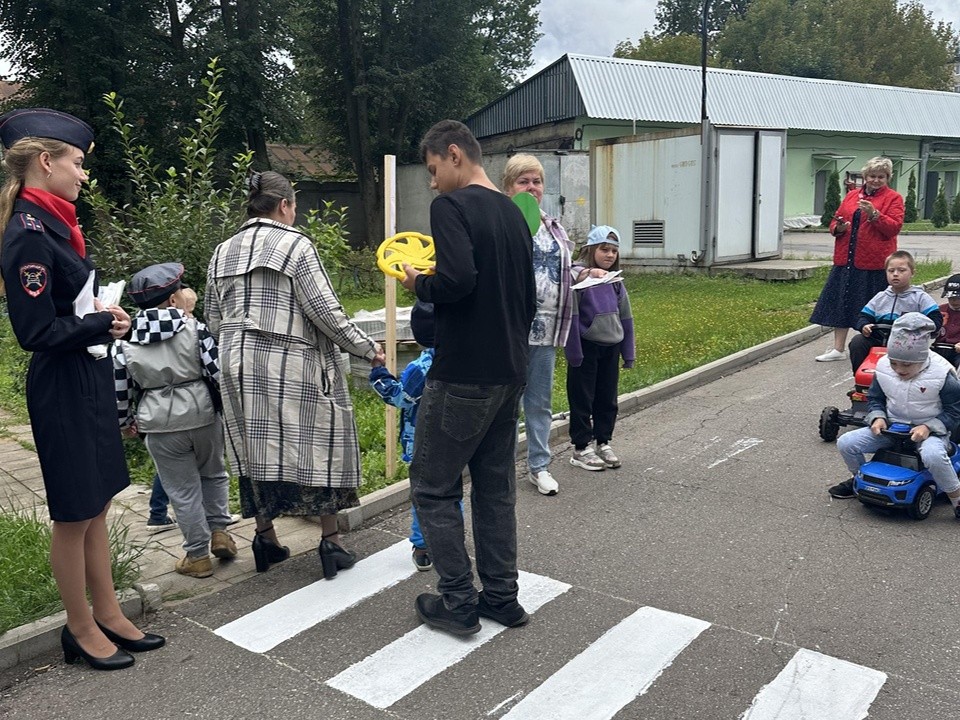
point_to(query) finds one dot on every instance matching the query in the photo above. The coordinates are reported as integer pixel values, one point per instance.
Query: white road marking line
(813, 685)
(409, 661)
(741, 445)
(265, 628)
(614, 670)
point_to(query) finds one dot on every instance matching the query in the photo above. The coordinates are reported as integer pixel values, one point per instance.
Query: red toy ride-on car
(831, 418)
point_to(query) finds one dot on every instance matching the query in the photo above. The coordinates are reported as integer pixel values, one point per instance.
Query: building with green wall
(830, 125)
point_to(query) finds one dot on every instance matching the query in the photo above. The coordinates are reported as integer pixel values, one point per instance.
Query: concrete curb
(396, 495)
(42, 636)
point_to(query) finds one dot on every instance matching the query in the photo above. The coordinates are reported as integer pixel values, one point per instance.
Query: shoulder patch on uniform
(30, 222)
(33, 278)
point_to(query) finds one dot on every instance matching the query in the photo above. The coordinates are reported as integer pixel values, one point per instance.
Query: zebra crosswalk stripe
(614, 670)
(272, 624)
(405, 664)
(813, 685)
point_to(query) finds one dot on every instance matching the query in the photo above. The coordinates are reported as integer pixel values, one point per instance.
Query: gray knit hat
(910, 338)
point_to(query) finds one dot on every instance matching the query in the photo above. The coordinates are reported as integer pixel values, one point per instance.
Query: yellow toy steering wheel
(412, 248)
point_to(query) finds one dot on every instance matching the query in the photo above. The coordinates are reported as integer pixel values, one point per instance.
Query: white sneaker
(545, 482)
(606, 454)
(831, 355)
(587, 459)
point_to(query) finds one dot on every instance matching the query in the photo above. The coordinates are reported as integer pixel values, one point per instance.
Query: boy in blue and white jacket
(898, 298)
(404, 393)
(912, 385)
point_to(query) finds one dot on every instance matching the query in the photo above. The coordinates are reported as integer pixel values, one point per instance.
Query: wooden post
(390, 305)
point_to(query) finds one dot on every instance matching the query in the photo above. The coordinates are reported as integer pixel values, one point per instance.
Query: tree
(680, 49)
(684, 17)
(910, 204)
(955, 208)
(153, 53)
(906, 47)
(378, 74)
(831, 200)
(941, 215)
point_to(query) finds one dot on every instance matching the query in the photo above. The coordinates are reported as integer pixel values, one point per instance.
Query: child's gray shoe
(606, 454)
(587, 459)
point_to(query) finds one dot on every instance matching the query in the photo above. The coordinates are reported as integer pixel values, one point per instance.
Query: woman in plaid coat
(291, 435)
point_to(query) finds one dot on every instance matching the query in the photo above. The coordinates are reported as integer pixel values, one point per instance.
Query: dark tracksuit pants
(592, 393)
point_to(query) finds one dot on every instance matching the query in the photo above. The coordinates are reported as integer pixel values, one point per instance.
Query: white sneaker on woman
(831, 355)
(545, 482)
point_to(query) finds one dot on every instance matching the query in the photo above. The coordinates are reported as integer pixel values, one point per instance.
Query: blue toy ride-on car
(896, 478)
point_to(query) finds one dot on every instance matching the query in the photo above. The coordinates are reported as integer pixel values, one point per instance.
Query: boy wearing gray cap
(167, 378)
(911, 385)
(950, 332)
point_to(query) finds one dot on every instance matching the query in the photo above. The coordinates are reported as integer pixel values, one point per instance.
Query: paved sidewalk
(21, 488)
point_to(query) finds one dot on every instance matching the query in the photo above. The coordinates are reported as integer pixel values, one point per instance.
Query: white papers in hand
(610, 277)
(83, 306)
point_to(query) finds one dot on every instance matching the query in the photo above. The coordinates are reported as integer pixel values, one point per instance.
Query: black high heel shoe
(72, 652)
(266, 552)
(334, 558)
(148, 642)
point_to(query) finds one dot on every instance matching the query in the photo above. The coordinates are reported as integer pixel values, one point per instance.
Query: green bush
(175, 215)
(832, 199)
(955, 209)
(941, 215)
(910, 204)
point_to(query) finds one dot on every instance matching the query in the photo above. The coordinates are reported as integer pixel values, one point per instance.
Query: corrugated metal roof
(549, 96)
(616, 89)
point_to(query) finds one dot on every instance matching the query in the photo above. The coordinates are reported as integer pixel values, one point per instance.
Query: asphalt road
(711, 566)
(932, 247)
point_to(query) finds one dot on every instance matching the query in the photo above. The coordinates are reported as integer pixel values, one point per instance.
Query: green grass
(927, 226)
(27, 589)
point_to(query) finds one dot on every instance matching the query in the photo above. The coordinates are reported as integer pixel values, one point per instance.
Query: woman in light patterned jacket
(291, 435)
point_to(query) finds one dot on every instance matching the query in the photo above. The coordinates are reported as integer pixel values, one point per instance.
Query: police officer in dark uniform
(49, 281)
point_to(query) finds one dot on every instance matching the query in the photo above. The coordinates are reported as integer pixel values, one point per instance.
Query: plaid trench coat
(278, 323)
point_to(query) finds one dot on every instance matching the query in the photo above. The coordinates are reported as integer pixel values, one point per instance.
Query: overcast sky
(594, 27)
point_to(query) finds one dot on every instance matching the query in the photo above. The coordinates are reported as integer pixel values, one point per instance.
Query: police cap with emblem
(154, 284)
(45, 123)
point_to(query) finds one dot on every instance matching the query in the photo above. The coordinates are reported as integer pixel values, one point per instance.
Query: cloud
(594, 27)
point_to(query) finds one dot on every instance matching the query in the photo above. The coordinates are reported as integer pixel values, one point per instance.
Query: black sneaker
(421, 559)
(160, 525)
(462, 621)
(956, 511)
(843, 491)
(510, 614)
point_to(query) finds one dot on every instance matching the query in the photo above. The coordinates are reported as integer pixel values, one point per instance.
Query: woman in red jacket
(865, 227)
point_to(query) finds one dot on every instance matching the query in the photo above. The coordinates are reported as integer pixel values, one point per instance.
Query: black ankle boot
(72, 652)
(334, 558)
(266, 552)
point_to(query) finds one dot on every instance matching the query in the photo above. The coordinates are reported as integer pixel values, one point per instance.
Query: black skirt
(73, 415)
(272, 499)
(845, 293)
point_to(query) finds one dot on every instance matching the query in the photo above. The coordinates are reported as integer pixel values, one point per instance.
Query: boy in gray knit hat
(915, 386)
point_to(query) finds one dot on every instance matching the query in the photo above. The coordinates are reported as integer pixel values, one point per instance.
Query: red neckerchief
(61, 209)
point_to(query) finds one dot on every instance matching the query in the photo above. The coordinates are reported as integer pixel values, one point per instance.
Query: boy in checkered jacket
(167, 377)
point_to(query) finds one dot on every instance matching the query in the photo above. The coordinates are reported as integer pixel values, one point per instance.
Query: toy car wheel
(829, 427)
(923, 502)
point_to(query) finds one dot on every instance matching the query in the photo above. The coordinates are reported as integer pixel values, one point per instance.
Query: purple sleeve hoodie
(603, 317)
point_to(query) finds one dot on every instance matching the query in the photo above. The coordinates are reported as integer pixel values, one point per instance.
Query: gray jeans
(191, 469)
(473, 426)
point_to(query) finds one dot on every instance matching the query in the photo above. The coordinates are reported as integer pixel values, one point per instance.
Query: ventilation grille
(648, 233)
